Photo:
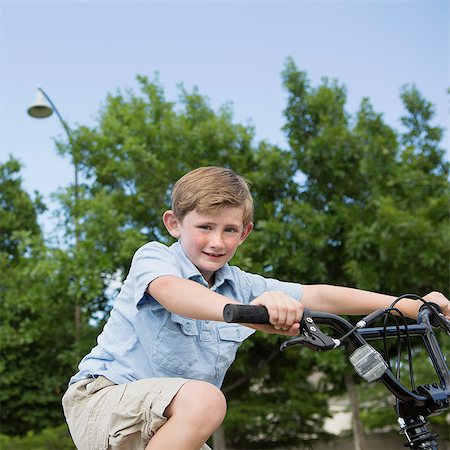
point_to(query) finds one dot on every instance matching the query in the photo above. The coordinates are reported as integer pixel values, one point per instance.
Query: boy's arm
(191, 299)
(188, 298)
(343, 300)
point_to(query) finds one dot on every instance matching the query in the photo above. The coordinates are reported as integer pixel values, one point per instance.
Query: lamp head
(40, 109)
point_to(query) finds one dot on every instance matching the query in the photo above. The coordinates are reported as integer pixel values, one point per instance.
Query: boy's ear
(247, 229)
(171, 223)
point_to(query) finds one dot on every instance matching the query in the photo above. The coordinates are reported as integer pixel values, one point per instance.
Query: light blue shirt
(143, 340)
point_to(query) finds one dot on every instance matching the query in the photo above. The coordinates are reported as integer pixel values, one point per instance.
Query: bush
(57, 438)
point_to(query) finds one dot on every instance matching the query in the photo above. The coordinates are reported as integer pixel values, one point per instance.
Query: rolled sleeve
(151, 261)
(259, 285)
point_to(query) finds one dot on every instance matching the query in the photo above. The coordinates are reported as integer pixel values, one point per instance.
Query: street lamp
(42, 108)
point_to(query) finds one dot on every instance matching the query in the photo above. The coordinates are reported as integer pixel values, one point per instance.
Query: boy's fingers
(273, 314)
(284, 311)
(293, 330)
(292, 311)
(296, 313)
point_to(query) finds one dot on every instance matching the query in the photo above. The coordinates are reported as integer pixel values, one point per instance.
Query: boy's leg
(102, 415)
(195, 412)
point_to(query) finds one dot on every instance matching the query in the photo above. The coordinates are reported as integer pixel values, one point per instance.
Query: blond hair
(209, 189)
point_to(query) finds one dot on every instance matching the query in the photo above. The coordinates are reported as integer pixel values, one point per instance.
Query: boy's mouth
(214, 255)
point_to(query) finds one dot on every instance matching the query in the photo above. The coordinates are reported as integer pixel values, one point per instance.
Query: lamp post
(42, 108)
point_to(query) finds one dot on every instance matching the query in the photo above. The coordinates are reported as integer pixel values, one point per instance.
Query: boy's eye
(231, 230)
(204, 227)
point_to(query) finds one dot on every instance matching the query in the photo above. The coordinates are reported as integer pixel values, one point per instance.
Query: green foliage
(19, 211)
(141, 146)
(371, 193)
(48, 439)
(32, 368)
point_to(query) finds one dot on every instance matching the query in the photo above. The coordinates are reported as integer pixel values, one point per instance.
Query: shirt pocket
(175, 347)
(230, 338)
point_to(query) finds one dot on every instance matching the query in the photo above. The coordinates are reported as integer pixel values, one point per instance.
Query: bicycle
(413, 405)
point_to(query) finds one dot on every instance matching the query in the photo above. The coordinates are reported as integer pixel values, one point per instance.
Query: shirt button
(238, 333)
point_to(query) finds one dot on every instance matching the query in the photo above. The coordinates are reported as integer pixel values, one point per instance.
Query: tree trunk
(77, 321)
(358, 431)
(218, 439)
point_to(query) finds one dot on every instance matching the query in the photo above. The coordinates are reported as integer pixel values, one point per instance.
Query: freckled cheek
(232, 243)
(198, 242)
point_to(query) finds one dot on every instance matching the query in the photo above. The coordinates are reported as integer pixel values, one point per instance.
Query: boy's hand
(440, 300)
(285, 312)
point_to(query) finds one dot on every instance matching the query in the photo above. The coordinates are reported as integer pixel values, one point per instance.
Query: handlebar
(423, 401)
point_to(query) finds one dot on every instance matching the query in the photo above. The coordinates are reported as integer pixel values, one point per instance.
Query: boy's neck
(211, 280)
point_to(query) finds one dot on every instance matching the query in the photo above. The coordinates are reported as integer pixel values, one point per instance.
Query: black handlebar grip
(234, 313)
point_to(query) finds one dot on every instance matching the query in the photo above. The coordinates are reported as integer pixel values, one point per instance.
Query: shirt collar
(189, 271)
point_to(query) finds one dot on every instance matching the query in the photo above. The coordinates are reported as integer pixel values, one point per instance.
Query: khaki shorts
(102, 415)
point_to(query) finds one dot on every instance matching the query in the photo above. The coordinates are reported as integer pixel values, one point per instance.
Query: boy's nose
(216, 240)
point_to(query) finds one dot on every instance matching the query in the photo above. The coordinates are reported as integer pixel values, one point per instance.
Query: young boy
(153, 381)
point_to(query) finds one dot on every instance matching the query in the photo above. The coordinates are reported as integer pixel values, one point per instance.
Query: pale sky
(233, 51)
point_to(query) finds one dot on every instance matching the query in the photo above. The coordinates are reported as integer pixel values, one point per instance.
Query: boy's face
(211, 239)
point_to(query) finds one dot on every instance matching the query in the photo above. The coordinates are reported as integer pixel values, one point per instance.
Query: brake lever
(313, 338)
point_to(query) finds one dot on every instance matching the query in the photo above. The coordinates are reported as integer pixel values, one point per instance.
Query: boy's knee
(199, 401)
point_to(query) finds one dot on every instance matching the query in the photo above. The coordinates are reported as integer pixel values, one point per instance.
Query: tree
(408, 202)
(377, 199)
(140, 147)
(19, 211)
(32, 289)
